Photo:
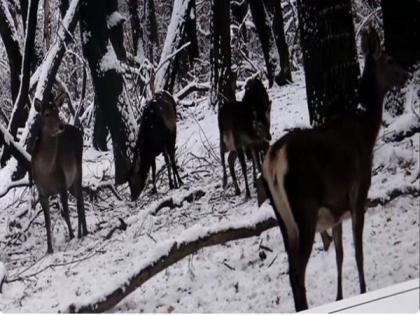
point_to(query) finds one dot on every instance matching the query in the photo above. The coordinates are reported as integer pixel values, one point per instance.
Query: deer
(316, 178)
(56, 167)
(243, 127)
(157, 134)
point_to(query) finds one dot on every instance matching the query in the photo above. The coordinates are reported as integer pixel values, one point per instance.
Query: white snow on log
(114, 19)
(9, 140)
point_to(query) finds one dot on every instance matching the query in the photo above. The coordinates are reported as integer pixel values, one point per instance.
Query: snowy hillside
(249, 275)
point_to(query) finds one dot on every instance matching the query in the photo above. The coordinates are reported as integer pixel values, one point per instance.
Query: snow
(114, 19)
(109, 60)
(224, 278)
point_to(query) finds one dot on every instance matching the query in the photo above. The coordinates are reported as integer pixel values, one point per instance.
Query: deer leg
(222, 158)
(177, 178)
(254, 165)
(46, 209)
(338, 242)
(241, 157)
(154, 190)
(81, 226)
(64, 202)
(326, 240)
(165, 155)
(358, 218)
(231, 160)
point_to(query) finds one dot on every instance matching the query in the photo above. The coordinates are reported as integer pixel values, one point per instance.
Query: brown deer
(157, 135)
(243, 127)
(317, 177)
(56, 167)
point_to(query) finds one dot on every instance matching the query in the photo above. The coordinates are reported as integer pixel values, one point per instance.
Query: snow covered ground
(234, 277)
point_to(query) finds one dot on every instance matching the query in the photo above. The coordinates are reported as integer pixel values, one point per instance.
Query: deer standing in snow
(157, 135)
(56, 167)
(317, 177)
(244, 127)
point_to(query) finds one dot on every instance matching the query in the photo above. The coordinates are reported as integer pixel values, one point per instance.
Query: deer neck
(371, 97)
(49, 147)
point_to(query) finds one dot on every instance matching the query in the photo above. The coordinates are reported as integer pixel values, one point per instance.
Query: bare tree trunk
(24, 11)
(136, 31)
(115, 26)
(47, 24)
(223, 80)
(285, 75)
(266, 37)
(176, 37)
(151, 36)
(402, 30)
(108, 83)
(329, 57)
(8, 35)
(21, 108)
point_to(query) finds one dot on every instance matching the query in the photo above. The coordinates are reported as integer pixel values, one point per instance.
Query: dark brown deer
(157, 135)
(56, 167)
(317, 177)
(243, 127)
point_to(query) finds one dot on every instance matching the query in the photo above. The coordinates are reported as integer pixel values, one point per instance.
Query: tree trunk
(329, 57)
(175, 39)
(115, 26)
(108, 83)
(20, 108)
(8, 34)
(100, 132)
(136, 31)
(223, 80)
(402, 30)
(285, 74)
(151, 38)
(47, 24)
(265, 34)
(24, 11)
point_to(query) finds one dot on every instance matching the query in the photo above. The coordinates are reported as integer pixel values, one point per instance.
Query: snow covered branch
(172, 251)
(16, 150)
(55, 54)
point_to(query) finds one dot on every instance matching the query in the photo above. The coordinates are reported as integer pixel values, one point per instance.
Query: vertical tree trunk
(115, 26)
(11, 43)
(266, 37)
(136, 31)
(402, 30)
(329, 56)
(21, 108)
(108, 83)
(47, 24)
(151, 38)
(285, 74)
(175, 38)
(24, 11)
(223, 80)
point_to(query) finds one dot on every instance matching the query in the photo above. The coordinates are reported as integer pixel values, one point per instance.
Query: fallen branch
(177, 203)
(192, 87)
(172, 251)
(189, 242)
(394, 194)
(16, 184)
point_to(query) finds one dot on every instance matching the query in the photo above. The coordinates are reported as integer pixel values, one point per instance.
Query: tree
(21, 108)
(108, 83)
(179, 31)
(136, 30)
(265, 34)
(402, 30)
(329, 58)
(223, 80)
(151, 35)
(285, 74)
(8, 34)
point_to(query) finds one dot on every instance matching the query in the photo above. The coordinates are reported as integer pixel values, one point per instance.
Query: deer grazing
(56, 167)
(244, 127)
(157, 135)
(317, 177)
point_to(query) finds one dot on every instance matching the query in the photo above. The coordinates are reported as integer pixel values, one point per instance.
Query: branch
(177, 203)
(16, 150)
(394, 194)
(172, 251)
(55, 54)
(192, 87)
(12, 185)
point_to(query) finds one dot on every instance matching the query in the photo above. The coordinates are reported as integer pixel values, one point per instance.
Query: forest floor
(249, 275)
